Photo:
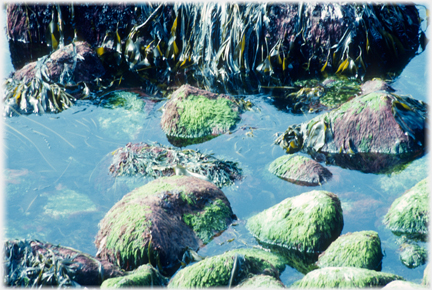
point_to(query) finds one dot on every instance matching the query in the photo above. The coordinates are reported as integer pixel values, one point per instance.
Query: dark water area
(57, 185)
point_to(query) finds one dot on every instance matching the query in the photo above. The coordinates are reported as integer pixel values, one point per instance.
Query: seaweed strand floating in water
(157, 160)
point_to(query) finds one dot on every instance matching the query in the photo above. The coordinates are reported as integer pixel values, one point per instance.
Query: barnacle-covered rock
(157, 222)
(300, 170)
(370, 133)
(357, 249)
(345, 277)
(144, 276)
(412, 255)
(30, 263)
(409, 214)
(228, 269)
(306, 223)
(156, 160)
(195, 113)
(261, 281)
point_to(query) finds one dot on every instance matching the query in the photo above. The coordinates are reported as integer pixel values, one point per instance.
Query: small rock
(412, 255)
(144, 276)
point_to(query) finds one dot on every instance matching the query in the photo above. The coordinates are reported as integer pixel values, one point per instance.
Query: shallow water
(53, 157)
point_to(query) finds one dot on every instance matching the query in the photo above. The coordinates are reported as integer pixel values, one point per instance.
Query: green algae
(412, 255)
(68, 202)
(209, 221)
(409, 214)
(261, 281)
(144, 276)
(307, 223)
(358, 249)
(345, 277)
(286, 163)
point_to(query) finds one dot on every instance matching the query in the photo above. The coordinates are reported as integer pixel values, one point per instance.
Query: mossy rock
(300, 170)
(261, 281)
(412, 255)
(358, 249)
(426, 275)
(157, 222)
(195, 113)
(228, 269)
(402, 285)
(409, 214)
(345, 277)
(143, 276)
(307, 223)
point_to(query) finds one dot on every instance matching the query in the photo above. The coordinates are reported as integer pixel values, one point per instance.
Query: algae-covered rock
(300, 170)
(412, 255)
(426, 275)
(307, 223)
(261, 281)
(144, 276)
(157, 222)
(409, 214)
(345, 277)
(228, 269)
(370, 133)
(398, 284)
(66, 202)
(358, 249)
(195, 113)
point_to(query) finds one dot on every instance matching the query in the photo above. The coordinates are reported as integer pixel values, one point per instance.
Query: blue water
(53, 156)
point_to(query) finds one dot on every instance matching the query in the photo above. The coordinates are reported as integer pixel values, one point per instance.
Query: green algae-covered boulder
(370, 133)
(358, 249)
(398, 284)
(228, 269)
(412, 255)
(158, 222)
(409, 214)
(144, 276)
(307, 223)
(345, 277)
(197, 114)
(426, 275)
(300, 170)
(261, 281)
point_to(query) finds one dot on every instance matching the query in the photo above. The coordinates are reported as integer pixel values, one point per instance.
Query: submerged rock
(195, 113)
(409, 214)
(307, 223)
(30, 263)
(358, 249)
(228, 269)
(261, 281)
(159, 221)
(412, 255)
(370, 133)
(300, 170)
(345, 277)
(144, 276)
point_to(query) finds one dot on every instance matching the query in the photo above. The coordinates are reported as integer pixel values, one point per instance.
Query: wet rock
(307, 223)
(370, 133)
(26, 259)
(261, 281)
(402, 285)
(409, 214)
(159, 221)
(412, 255)
(426, 275)
(345, 277)
(195, 113)
(300, 170)
(228, 269)
(358, 249)
(375, 85)
(144, 276)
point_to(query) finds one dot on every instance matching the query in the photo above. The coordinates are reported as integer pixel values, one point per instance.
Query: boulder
(300, 170)
(398, 284)
(144, 276)
(358, 249)
(345, 277)
(409, 214)
(306, 223)
(426, 275)
(412, 255)
(158, 222)
(261, 281)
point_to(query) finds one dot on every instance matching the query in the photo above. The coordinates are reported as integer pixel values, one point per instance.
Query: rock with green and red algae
(357, 249)
(409, 214)
(194, 113)
(307, 223)
(228, 269)
(398, 284)
(370, 133)
(25, 260)
(261, 281)
(426, 275)
(412, 255)
(158, 222)
(345, 277)
(144, 276)
(375, 85)
(300, 170)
